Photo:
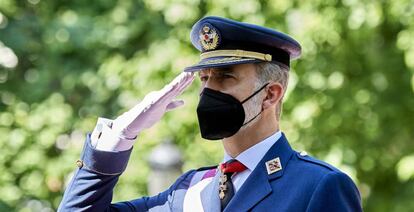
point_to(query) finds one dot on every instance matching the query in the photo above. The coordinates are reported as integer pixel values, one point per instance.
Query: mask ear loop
(253, 118)
(247, 99)
(250, 98)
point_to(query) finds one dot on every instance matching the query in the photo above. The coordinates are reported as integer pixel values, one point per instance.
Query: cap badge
(209, 38)
(273, 166)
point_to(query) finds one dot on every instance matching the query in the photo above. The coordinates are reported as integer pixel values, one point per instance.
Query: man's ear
(274, 94)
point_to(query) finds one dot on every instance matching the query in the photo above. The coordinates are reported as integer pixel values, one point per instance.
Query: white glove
(145, 114)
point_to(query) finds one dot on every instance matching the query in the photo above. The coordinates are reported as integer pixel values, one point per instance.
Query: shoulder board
(304, 156)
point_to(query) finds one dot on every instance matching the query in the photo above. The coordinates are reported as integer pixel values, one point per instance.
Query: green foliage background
(350, 100)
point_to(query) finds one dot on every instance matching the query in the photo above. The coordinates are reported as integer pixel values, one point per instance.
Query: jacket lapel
(257, 185)
(209, 195)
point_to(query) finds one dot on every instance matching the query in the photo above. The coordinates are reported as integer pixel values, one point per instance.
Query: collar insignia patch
(273, 166)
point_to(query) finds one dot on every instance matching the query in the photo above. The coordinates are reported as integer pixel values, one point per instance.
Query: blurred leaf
(64, 63)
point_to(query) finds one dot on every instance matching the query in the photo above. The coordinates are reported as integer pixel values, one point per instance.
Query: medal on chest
(222, 186)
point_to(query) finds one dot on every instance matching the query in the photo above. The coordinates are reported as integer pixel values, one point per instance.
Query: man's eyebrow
(226, 70)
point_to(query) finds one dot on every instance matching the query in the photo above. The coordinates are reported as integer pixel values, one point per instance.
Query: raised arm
(107, 150)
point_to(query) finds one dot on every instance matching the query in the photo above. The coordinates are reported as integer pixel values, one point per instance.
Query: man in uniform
(244, 71)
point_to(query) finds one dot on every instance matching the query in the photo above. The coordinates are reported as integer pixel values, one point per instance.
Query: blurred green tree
(64, 63)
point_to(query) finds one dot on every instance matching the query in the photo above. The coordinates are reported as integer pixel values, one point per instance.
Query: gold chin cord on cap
(236, 53)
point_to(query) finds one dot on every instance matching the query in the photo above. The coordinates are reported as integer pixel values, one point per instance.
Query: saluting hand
(124, 129)
(154, 105)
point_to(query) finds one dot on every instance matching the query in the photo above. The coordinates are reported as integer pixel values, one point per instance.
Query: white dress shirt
(250, 158)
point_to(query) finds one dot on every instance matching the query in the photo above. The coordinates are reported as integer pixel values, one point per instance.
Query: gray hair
(273, 72)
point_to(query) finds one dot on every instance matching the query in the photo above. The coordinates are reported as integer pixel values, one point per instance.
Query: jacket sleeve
(335, 192)
(91, 187)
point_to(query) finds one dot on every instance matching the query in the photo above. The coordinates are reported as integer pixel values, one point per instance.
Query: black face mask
(220, 115)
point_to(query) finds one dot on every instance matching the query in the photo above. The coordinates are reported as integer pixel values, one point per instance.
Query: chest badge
(222, 186)
(273, 166)
(209, 38)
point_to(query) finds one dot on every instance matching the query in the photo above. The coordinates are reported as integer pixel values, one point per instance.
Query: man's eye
(203, 78)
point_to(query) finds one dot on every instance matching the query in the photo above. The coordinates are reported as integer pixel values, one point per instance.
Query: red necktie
(226, 189)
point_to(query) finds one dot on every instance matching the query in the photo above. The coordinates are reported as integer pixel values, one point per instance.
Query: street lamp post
(165, 162)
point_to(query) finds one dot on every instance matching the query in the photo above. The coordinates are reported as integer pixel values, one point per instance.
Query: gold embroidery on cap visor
(225, 60)
(236, 53)
(209, 38)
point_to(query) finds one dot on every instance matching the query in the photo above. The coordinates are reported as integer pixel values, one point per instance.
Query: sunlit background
(64, 63)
